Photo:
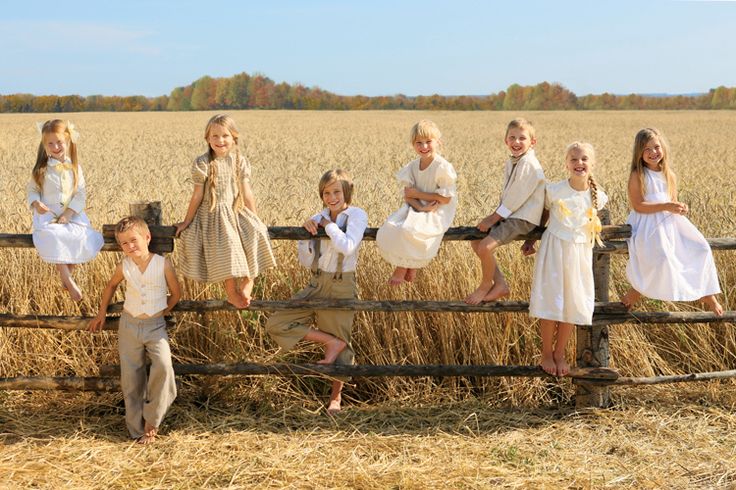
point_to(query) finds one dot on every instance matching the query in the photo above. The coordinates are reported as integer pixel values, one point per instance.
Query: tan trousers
(147, 398)
(287, 327)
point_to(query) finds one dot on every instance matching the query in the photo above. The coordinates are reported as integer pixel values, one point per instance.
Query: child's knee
(487, 246)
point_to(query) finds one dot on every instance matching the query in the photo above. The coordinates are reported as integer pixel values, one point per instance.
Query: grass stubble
(267, 432)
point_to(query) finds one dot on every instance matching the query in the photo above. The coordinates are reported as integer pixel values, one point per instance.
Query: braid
(213, 182)
(593, 192)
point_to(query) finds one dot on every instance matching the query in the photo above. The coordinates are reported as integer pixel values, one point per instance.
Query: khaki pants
(287, 327)
(147, 398)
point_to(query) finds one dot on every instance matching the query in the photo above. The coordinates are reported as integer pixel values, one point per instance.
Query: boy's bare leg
(246, 288)
(234, 296)
(149, 434)
(564, 331)
(335, 398)
(484, 249)
(547, 332)
(333, 345)
(411, 274)
(398, 276)
(65, 271)
(712, 304)
(500, 287)
(630, 298)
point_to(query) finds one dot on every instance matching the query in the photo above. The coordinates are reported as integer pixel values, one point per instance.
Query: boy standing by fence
(142, 329)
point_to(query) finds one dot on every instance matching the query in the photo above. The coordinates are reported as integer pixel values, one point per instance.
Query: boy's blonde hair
(337, 175)
(55, 126)
(521, 123)
(132, 223)
(637, 161)
(425, 129)
(228, 123)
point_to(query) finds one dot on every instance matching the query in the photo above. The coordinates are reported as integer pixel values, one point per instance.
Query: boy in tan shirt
(520, 210)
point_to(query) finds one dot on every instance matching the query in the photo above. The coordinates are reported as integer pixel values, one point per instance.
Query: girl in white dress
(669, 259)
(62, 233)
(411, 237)
(562, 289)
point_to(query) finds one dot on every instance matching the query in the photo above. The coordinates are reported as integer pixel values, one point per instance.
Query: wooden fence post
(148, 210)
(592, 340)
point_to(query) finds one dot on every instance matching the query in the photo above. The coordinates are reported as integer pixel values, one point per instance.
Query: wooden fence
(592, 376)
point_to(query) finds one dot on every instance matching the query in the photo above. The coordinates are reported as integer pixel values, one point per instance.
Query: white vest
(146, 292)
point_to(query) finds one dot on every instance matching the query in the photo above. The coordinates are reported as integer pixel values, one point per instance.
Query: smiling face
(518, 141)
(134, 242)
(56, 145)
(653, 154)
(579, 163)
(220, 140)
(426, 148)
(333, 196)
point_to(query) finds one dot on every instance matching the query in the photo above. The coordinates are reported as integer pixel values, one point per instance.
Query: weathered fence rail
(592, 375)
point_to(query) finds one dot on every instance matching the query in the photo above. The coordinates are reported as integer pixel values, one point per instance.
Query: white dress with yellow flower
(669, 259)
(71, 243)
(562, 288)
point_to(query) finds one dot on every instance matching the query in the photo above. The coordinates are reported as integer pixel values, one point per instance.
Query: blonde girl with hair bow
(562, 289)
(223, 240)
(62, 233)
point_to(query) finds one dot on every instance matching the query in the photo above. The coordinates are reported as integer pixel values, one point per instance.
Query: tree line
(244, 91)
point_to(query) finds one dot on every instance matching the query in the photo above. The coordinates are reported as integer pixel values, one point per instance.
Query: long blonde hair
(55, 126)
(643, 137)
(228, 123)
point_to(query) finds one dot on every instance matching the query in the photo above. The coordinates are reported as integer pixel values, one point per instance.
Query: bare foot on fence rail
(563, 368)
(630, 298)
(332, 350)
(477, 296)
(548, 364)
(712, 304)
(498, 291)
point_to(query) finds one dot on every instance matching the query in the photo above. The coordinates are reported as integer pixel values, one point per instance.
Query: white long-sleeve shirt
(523, 193)
(345, 243)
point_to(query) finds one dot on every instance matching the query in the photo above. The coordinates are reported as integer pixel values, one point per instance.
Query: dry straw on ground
(261, 432)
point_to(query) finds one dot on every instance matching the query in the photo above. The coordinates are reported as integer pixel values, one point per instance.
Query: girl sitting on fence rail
(222, 237)
(62, 233)
(333, 264)
(563, 292)
(669, 259)
(411, 237)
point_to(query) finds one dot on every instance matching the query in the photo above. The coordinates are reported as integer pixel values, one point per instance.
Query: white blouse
(345, 243)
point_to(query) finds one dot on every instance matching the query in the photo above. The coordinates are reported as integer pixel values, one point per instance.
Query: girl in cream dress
(411, 237)
(563, 293)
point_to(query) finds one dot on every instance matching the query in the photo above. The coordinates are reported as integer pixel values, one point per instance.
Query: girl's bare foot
(712, 304)
(335, 406)
(74, 292)
(234, 296)
(548, 364)
(476, 297)
(246, 288)
(630, 298)
(332, 350)
(411, 274)
(398, 276)
(149, 435)
(498, 291)
(563, 368)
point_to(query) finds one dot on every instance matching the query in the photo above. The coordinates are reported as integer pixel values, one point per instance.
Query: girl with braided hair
(222, 238)
(562, 289)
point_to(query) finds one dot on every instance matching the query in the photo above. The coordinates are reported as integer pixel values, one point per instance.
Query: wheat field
(398, 433)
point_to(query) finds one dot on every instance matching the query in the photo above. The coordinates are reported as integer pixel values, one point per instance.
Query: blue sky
(380, 47)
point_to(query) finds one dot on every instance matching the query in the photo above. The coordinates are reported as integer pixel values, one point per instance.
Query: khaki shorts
(508, 230)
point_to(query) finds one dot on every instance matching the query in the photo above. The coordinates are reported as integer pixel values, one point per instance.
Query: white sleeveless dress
(669, 259)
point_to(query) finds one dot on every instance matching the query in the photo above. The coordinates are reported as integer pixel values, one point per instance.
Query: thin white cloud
(80, 37)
